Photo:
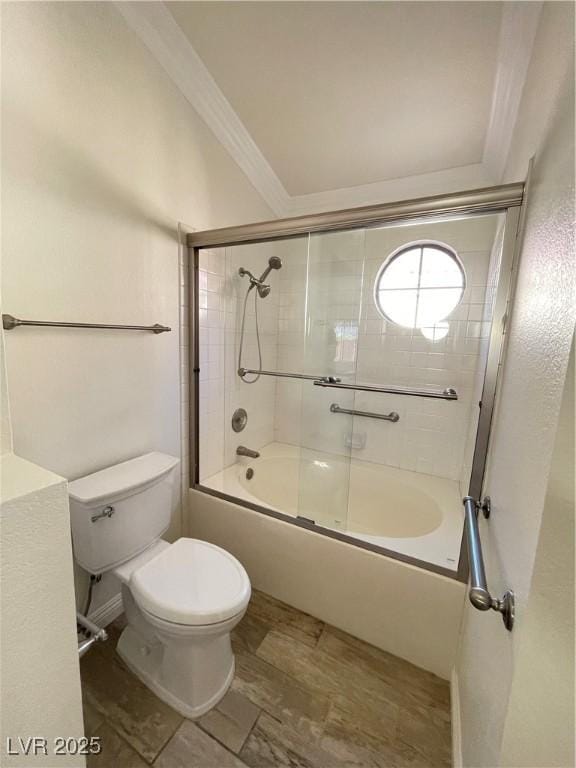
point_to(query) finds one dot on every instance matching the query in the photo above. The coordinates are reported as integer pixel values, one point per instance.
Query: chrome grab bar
(392, 416)
(328, 379)
(446, 394)
(9, 322)
(97, 634)
(333, 381)
(479, 594)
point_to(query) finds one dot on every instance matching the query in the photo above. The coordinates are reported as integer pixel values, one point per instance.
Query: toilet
(181, 600)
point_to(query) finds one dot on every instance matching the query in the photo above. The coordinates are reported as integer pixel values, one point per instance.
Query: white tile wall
(212, 330)
(430, 436)
(336, 304)
(221, 298)
(332, 312)
(257, 399)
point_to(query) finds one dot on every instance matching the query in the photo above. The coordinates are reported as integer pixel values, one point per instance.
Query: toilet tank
(120, 511)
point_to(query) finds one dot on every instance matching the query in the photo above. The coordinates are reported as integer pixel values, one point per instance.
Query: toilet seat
(192, 583)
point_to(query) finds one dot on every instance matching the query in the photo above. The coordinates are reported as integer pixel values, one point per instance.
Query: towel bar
(9, 322)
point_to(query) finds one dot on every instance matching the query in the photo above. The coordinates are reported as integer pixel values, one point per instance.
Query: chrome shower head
(274, 262)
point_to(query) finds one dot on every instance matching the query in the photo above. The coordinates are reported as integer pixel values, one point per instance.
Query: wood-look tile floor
(305, 694)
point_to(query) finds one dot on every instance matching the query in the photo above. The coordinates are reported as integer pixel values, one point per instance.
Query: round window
(419, 284)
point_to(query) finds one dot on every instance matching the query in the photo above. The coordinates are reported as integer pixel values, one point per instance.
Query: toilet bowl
(181, 600)
(181, 606)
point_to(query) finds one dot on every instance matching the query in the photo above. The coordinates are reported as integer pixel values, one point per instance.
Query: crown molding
(157, 29)
(517, 35)
(421, 185)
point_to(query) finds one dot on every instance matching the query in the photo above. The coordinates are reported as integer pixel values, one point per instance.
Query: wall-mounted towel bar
(446, 394)
(479, 594)
(328, 379)
(392, 416)
(9, 322)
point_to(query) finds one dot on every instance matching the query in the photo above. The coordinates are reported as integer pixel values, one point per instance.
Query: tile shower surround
(221, 297)
(325, 284)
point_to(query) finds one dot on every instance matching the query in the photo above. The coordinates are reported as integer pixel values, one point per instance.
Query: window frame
(395, 254)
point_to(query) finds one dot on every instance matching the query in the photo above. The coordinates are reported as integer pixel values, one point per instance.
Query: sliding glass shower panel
(425, 325)
(284, 323)
(332, 313)
(246, 448)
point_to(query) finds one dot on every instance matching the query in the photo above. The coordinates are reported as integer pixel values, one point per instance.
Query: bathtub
(410, 513)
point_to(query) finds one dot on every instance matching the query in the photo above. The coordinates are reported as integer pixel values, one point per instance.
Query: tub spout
(243, 451)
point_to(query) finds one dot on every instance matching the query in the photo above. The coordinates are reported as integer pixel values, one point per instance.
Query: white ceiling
(338, 94)
(329, 105)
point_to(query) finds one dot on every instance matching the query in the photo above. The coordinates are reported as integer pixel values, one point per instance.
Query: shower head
(274, 262)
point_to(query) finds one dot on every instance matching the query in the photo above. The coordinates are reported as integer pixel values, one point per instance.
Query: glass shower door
(334, 272)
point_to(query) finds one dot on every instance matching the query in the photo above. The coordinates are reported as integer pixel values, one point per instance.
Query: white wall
(37, 606)
(526, 419)
(5, 423)
(545, 659)
(39, 671)
(102, 156)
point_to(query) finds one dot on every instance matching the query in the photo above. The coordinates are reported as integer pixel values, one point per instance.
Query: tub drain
(249, 473)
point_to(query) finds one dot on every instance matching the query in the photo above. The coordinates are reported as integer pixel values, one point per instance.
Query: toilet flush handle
(106, 512)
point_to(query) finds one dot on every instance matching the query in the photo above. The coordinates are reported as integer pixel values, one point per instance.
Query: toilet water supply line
(97, 634)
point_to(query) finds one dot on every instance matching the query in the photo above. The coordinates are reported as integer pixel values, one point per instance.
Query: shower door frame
(505, 199)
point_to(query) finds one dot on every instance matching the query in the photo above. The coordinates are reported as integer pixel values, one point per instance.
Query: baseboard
(108, 612)
(456, 722)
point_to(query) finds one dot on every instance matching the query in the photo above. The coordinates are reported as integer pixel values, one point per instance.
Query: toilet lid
(192, 582)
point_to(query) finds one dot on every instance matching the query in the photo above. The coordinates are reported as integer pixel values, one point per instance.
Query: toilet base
(146, 660)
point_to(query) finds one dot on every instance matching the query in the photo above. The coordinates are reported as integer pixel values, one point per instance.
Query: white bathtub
(407, 512)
